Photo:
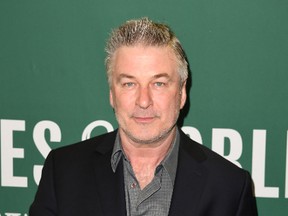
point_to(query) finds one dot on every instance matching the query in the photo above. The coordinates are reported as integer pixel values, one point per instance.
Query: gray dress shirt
(155, 198)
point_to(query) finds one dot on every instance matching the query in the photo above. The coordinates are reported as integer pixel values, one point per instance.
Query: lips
(140, 119)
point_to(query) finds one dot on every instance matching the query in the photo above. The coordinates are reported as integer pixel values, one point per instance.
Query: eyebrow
(122, 75)
(161, 75)
(127, 76)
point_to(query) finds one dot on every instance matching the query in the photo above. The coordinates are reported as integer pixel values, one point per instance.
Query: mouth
(143, 120)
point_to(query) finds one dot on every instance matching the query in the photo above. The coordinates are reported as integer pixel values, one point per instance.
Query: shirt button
(133, 185)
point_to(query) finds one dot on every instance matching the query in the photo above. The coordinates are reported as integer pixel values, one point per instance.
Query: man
(148, 166)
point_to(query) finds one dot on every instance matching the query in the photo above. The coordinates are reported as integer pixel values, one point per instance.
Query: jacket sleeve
(247, 202)
(45, 203)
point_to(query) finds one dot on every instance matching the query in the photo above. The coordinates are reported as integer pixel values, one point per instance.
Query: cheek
(170, 104)
(123, 102)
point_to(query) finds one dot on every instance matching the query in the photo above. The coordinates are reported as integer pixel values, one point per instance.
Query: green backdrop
(53, 90)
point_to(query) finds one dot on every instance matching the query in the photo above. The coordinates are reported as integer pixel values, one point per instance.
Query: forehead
(144, 58)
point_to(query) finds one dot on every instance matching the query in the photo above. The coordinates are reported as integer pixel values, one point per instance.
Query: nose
(144, 99)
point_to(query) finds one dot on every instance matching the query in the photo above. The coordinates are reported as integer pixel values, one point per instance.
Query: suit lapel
(110, 185)
(190, 179)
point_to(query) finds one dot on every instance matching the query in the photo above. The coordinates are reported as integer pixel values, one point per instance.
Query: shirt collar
(169, 162)
(171, 159)
(116, 153)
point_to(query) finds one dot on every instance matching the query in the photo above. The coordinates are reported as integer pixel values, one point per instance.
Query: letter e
(8, 153)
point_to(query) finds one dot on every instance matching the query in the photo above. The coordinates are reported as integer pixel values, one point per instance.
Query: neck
(144, 158)
(156, 150)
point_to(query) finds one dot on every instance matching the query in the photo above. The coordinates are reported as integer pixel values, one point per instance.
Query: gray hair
(148, 33)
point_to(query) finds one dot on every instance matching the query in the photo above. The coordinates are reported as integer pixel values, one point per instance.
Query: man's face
(145, 92)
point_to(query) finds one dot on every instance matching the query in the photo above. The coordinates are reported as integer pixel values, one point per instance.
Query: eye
(128, 84)
(159, 84)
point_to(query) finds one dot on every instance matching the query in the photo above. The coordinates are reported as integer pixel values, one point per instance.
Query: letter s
(42, 145)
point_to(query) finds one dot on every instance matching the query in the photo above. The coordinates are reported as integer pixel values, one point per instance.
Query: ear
(183, 94)
(111, 98)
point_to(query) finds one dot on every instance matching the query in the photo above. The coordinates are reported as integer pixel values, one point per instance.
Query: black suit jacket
(78, 180)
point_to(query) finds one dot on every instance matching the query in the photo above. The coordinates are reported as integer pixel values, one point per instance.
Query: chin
(148, 137)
